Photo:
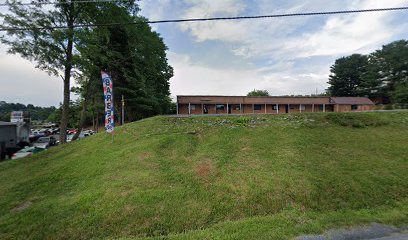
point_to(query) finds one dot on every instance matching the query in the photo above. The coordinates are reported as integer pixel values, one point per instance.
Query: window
(291, 107)
(193, 107)
(302, 107)
(236, 107)
(321, 107)
(354, 107)
(220, 107)
(257, 106)
(275, 107)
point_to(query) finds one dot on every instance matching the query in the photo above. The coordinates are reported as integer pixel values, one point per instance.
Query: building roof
(7, 124)
(211, 99)
(351, 100)
(214, 99)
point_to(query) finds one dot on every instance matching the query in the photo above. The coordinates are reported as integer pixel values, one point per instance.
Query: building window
(354, 107)
(220, 107)
(275, 107)
(257, 106)
(193, 107)
(321, 108)
(302, 107)
(291, 106)
(236, 107)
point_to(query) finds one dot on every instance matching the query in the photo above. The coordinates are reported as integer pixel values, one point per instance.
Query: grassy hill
(227, 177)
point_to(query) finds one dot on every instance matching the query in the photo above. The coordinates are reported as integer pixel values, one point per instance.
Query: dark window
(220, 107)
(302, 107)
(274, 107)
(236, 107)
(321, 107)
(257, 106)
(354, 107)
(291, 107)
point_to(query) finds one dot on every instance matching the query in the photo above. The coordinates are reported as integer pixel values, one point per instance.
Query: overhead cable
(56, 3)
(211, 19)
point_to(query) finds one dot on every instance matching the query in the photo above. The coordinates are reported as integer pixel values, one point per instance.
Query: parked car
(27, 151)
(71, 131)
(45, 142)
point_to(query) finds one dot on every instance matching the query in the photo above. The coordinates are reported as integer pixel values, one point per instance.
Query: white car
(27, 151)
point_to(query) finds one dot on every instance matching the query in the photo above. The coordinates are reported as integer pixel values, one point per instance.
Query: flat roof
(7, 124)
(215, 99)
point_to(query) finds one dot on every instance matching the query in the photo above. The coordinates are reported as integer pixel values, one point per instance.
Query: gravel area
(373, 232)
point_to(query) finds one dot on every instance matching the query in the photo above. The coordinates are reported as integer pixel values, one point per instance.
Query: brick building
(269, 105)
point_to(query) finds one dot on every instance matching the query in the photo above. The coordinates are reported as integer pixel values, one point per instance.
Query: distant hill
(36, 113)
(224, 177)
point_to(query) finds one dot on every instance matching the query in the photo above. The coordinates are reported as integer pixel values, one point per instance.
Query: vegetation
(224, 177)
(36, 113)
(255, 93)
(133, 54)
(383, 73)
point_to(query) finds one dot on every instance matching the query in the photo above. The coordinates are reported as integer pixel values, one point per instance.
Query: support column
(177, 110)
(277, 108)
(265, 108)
(337, 106)
(300, 107)
(324, 107)
(240, 108)
(288, 108)
(202, 108)
(253, 110)
(189, 108)
(313, 107)
(227, 108)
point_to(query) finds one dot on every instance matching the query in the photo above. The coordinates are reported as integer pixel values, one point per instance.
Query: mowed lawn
(226, 177)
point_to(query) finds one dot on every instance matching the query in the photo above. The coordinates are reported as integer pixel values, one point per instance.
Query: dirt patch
(144, 155)
(22, 206)
(204, 170)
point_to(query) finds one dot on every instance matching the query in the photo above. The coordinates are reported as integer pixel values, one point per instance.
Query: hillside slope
(237, 177)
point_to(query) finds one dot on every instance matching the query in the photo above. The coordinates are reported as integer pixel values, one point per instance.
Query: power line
(213, 19)
(68, 2)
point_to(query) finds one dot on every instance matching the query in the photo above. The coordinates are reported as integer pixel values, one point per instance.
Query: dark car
(45, 142)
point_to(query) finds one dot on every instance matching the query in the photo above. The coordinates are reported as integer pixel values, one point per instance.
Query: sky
(286, 56)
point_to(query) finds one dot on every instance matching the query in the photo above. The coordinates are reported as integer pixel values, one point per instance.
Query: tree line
(380, 74)
(133, 54)
(36, 112)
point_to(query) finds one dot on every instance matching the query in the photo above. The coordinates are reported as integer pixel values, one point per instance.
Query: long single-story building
(269, 105)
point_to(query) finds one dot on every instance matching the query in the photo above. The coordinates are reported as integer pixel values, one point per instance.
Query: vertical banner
(108, 95)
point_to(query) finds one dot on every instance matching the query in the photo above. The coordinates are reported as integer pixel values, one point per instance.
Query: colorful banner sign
(108, 94)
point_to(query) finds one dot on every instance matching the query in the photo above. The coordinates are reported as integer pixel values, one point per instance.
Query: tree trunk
(83, 111)
(65, 105)
(67, 78)
(81, 120)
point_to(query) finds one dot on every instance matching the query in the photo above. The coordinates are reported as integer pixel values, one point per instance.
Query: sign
(108, 95)
(17, 117)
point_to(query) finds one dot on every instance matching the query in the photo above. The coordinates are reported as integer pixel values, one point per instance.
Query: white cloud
(280, 44)
(21, 82)
(285, 38)
(195, 79)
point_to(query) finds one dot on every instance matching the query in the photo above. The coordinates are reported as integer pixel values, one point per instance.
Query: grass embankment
(238, 177)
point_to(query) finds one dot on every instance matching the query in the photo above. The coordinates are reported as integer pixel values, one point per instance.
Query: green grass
(226, 177)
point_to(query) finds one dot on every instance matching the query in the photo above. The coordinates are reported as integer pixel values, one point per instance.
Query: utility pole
(123, 110)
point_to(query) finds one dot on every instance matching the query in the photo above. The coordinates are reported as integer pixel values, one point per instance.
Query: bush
(356, 120)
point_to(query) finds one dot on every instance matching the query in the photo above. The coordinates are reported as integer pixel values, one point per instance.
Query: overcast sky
(284, 56)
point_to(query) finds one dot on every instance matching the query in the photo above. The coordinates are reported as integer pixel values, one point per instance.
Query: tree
(256, 93)
(135, 56)
(388, 67)
(346, 78)
(52, 49)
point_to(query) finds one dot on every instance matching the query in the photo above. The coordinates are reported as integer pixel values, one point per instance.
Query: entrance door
(286, 108)
(205, 109)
